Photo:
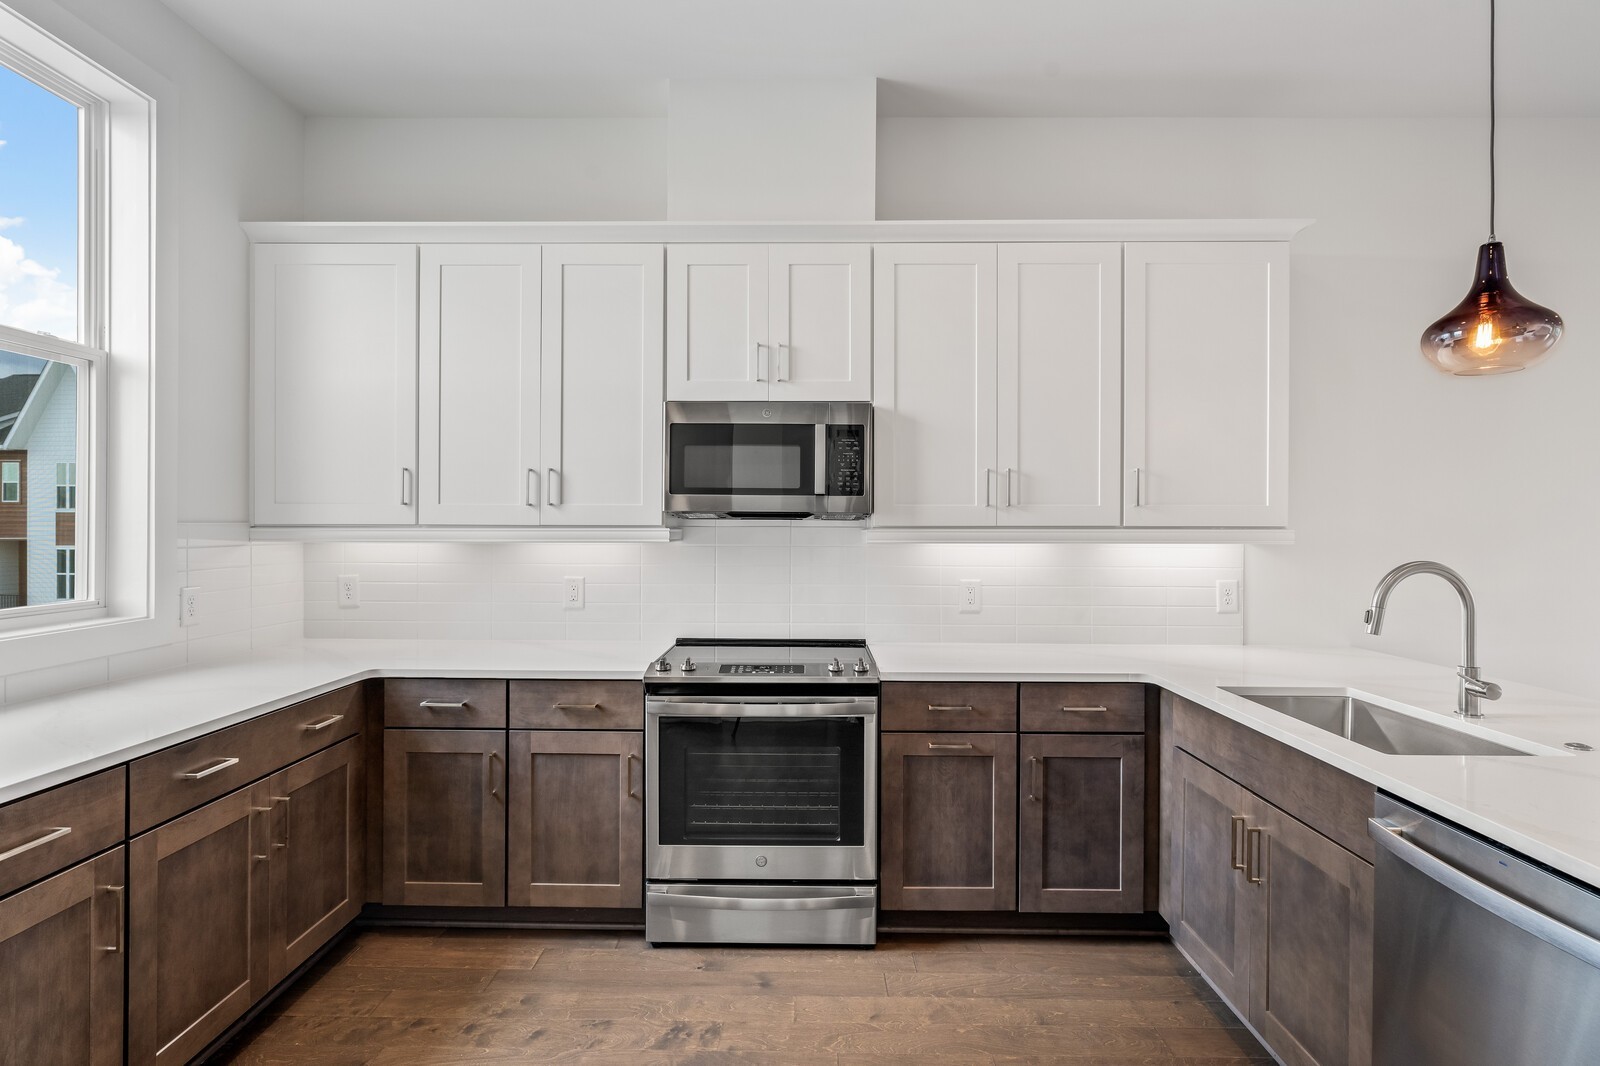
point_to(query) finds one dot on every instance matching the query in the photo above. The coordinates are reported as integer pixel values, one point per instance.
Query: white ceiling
(935, 57)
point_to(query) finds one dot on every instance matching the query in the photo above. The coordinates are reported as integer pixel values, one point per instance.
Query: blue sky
(39, 187)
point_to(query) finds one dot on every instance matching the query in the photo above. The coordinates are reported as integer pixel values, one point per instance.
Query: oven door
(761, 788)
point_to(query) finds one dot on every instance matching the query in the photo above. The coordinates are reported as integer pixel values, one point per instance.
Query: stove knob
(688, 665)
(836, 667)
(662, 666)
(861, 665)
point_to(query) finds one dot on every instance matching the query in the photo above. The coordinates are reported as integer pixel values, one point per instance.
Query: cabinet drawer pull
(531, 497)
(54, 834)
(122, 916)
(1035, 790)
(251, 829)
(1084, 710)
(317, 727)
(949, 747)
(287, 814)
(1236, 823)
(577, 706)
(215, 768)
(494, 787)
(632, 758)
(949, 707)
(1252, 855)
(443, 705)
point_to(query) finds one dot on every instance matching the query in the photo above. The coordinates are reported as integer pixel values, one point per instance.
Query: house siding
(54, 440)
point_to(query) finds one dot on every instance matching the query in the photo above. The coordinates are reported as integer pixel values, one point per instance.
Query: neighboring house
(39, 476)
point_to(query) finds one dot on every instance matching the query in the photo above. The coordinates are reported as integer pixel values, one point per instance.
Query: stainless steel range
(761, 823)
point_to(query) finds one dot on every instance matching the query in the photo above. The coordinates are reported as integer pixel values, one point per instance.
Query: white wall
(1389, 459)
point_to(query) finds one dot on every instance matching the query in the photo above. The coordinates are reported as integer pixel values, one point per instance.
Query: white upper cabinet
(602, 384)
(1060, 326)
(934, 384)
(758, 322)
(1206, 384)
(334, 384)
(479, 387)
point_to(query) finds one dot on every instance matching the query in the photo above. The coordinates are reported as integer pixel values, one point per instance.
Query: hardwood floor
(429, 997)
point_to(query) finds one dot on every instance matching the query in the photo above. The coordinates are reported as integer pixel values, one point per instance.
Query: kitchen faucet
(1472, 688)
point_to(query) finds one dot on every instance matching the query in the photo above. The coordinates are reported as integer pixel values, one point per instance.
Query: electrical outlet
(349, 590)
(971, 601)
(572, 596)
(189, 606)
(1228, 596)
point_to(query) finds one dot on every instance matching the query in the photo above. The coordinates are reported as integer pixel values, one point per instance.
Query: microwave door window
(737, 460)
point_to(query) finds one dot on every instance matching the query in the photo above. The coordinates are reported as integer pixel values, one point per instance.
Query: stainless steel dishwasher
(1481, 957)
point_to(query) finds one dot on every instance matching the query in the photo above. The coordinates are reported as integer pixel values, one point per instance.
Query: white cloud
(33, 296)
(15, 220)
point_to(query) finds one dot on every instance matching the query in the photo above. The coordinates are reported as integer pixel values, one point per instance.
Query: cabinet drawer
(444, 703)
(1082, 708)
(977, 707)
(51, 831)
(164, 785)
(577, 705)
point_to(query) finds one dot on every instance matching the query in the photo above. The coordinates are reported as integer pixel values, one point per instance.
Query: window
(66, 486)
(66, 573)
(10, 482)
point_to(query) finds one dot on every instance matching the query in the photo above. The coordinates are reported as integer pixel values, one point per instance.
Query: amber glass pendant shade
(1495, 330)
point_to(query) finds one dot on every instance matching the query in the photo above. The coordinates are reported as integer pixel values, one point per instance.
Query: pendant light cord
(1491, 120)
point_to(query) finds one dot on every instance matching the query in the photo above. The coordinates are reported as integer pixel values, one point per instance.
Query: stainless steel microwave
(769, 460)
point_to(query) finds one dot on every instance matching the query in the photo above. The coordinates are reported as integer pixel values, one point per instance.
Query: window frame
(68, 555)
(6, 483)
(69, 487)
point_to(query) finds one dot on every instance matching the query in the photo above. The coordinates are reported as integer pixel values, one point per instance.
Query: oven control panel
(762, 669)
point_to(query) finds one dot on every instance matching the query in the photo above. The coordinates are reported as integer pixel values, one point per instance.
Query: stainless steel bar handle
(1012, 500)
(950, 747)
(819, 461)
(1138, 486)
(405, 486)
(215, 768)
(1033, 777)
(763, 370)
(1552, 931)
(949, 706)
(552, 478)
(577, 706)
(443, 705)
(1252, 855)
(819, 903)
(494, 789)
(783, 363)
(988, 487)
(252, 828)
(317, 727)
(52, 834)
(286, 816)
(632, 758)
(531, 489)
(1234, 859)
(1084, 710)
(122, 915)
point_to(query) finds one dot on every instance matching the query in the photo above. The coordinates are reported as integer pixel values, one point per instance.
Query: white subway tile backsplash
(762, 579)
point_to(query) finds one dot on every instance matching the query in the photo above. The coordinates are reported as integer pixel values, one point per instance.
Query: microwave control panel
(846, 460)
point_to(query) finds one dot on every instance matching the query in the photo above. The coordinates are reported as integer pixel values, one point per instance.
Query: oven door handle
(845, 707)
(850, 902)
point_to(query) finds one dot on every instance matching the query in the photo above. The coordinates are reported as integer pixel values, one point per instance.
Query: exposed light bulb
(1484, 338)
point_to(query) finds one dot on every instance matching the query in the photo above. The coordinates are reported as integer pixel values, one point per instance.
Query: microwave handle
(819, 461)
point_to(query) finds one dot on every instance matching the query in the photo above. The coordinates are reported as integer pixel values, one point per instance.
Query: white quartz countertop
(1545, 806)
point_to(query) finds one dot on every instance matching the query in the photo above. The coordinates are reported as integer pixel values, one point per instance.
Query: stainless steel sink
(1379, 728)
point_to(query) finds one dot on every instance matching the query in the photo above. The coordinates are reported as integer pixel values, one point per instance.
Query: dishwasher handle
(1557, 934)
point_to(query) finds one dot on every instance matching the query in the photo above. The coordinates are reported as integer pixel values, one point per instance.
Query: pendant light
(1495, 330)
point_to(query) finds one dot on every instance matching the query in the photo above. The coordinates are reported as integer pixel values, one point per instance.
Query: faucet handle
(1484, 690)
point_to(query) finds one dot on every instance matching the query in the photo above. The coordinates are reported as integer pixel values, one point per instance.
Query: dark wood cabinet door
(1080, 823)
(576, 823)
(61, 960)
(444, 817)
(1212, 902)
(1311, 958)
(316, 858)
(196, 932)
(949, 821)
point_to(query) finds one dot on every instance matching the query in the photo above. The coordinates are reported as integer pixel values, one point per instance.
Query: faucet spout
(1472, 687)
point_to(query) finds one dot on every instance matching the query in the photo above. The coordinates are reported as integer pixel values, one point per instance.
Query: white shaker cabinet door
(717, 344)
(334, 384)
(602, 384)
(821, 316)
(1206, 384)
(934, 376)
(1060, 391)
(479, 409)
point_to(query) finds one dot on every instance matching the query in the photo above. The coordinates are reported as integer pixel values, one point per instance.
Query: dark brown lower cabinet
(1278, 916)
(949, 803)
(61, 967)
(1081, 823)
(317, 854)
(197, 899)
(576, 823)
(444, 817)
